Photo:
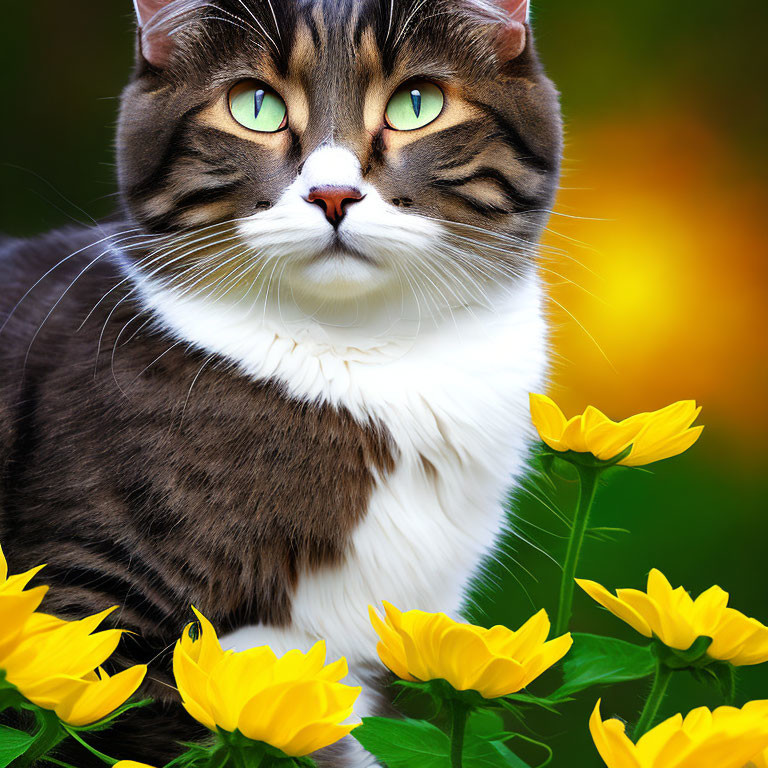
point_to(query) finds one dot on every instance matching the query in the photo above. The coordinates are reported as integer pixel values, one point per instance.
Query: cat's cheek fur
(455, 403)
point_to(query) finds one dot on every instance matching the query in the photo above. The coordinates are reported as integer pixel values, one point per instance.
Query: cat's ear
(156, 44)
(510, 18)
(512, 36)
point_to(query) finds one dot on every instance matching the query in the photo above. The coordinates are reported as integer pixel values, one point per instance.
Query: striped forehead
(338, 13)
(326, 41)
(333, 59)
(345, 34)
(328, 31)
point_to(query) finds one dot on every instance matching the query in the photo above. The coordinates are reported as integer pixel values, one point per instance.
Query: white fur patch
(455, 400)
(451, 388)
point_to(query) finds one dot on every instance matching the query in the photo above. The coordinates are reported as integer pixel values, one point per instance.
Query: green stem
(49, 734)
(653, 702)
(95, 752)
(588, 479)
(54, 761)
(459, 716)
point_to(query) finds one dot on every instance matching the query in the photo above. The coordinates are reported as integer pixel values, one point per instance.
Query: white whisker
(261, 26)
(51, 271)
(207, 360)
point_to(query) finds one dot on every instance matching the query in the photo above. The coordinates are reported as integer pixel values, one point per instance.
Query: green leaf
(405, 743)
(485, 724)
(13, 744)
(9, 693)
(418, 744)
(306, 762)
(596, 660)
(9, 698)
(517, 700)
(490, 754)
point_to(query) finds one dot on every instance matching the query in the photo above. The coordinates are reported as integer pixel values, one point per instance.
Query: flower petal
(547, 418)
(612, 742)
(549, 654)
(101, 698)
(617, 607)
(527, 639)
(131, 764)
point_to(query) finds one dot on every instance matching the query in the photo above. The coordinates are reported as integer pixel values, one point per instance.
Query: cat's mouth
(341, 249)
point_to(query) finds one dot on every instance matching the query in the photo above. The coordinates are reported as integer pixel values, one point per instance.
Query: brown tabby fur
(152, 477)
(156, 497)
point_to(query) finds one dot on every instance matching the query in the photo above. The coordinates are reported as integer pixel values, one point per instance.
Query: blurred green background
(656, 258)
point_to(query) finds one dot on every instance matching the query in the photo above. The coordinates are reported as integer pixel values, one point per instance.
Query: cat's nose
(335, 201)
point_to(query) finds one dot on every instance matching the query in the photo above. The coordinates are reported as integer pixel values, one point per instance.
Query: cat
(289, 379)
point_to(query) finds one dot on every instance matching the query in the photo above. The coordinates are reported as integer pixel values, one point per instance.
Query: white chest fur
(454, 399)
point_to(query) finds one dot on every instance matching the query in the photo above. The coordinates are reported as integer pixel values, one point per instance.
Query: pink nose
(334, 201)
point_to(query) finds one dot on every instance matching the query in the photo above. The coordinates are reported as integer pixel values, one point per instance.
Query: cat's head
(347, 145)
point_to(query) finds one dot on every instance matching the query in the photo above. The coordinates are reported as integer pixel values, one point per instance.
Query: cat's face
(347, 145)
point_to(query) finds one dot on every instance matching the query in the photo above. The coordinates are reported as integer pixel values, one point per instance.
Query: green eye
(257, 107)
(414, 105)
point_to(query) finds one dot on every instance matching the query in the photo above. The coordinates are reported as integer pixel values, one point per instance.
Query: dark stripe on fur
(484, 209)
(175, 149)
(207, 195)
(520, 200)
(85, 585)
(510, 133)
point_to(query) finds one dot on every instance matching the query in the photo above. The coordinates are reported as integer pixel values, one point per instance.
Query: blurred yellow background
(664, 204)
(660, 293)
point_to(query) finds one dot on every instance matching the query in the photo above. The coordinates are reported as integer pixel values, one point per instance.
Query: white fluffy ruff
(451, 388)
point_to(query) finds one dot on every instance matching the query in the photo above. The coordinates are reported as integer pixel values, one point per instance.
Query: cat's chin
(339, 273)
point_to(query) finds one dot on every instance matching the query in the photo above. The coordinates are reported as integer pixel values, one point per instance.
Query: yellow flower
(102, 695)
(653, 436)
(16, 605)
(496, 662)
(131, 764)
(725, 738)
(678, 620)
(55, 665)
(294, 703)
(759, 761)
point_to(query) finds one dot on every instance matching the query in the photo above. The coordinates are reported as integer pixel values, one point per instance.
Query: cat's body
(284, 443)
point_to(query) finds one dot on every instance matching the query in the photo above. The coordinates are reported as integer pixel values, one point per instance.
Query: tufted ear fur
(156, 46)
(510, 17)
(517, 10)
(512, 36)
